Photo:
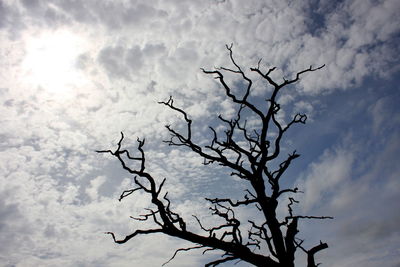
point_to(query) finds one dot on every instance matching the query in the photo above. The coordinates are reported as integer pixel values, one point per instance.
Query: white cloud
(358, 185)
(58, 196)
(94, 187)
(327, 174)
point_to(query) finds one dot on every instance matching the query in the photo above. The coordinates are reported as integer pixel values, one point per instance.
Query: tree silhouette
(248, 153)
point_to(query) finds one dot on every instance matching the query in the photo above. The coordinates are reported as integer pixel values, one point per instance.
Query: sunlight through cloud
(50, 61)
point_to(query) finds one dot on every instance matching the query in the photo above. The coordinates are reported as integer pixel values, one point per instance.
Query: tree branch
(311, 254)
(181, 249)
(217, 262)
(249, 152)
(137, 232)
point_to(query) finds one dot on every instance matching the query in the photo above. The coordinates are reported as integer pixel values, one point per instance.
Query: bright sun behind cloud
(50, 61)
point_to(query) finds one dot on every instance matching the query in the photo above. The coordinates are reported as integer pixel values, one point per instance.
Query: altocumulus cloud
(109, 62)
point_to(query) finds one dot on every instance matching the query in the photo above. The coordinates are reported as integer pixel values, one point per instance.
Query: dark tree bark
(251, 163)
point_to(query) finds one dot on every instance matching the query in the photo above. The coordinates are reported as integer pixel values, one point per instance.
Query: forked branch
(249, 153)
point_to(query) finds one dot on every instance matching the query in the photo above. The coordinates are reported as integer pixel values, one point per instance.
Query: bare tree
(248, 153)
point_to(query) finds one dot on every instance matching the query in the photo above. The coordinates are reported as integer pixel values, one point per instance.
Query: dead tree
(271, 243)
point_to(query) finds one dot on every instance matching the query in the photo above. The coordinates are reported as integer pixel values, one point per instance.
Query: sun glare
(50, 62)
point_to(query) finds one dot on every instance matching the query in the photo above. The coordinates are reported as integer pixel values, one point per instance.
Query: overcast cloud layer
(74, 74)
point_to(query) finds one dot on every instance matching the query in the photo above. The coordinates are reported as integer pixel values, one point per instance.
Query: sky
(74, 74)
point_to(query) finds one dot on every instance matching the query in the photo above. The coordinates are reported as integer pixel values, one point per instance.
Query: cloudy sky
(74, 74)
